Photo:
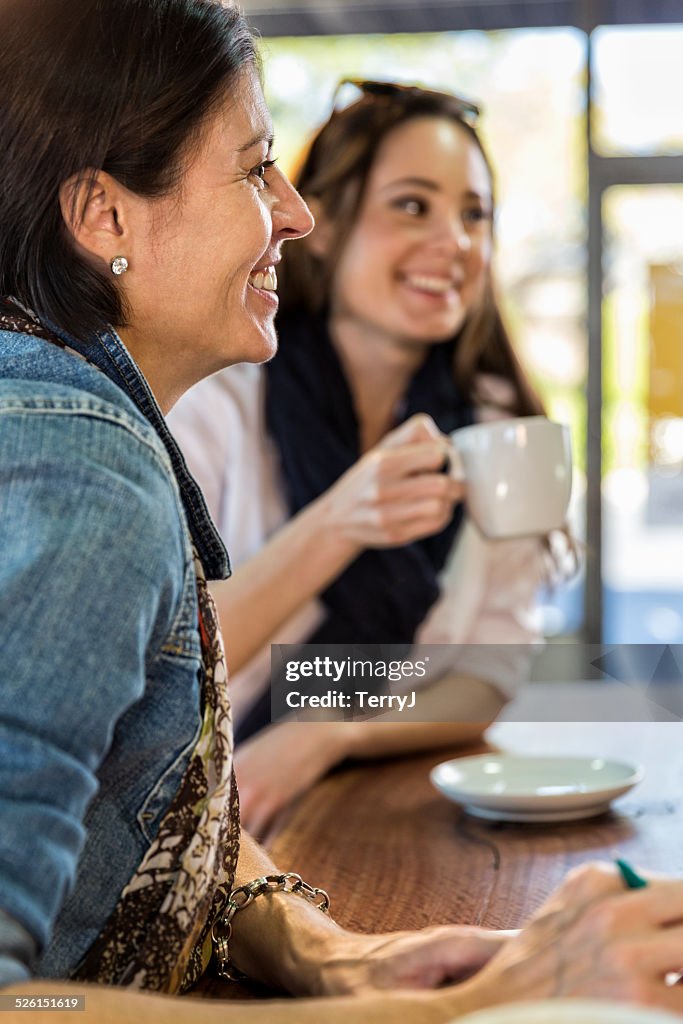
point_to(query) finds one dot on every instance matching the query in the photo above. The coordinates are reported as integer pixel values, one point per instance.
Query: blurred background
(583, 117)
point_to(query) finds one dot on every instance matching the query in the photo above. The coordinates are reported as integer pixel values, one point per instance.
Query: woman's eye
(475, 215)
(259, 172)
(411, 205)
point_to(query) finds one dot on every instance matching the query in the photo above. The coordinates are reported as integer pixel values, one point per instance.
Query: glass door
(643, 415)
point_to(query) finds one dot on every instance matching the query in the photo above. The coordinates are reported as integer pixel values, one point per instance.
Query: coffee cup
(517, 474)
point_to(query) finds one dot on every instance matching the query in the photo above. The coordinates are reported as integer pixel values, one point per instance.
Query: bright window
(638, 76)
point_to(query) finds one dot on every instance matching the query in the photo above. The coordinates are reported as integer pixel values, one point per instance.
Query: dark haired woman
(387, 315)
(140, 218)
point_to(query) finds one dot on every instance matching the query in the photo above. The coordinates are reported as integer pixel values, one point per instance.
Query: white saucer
(570, 1011)
(508, 787)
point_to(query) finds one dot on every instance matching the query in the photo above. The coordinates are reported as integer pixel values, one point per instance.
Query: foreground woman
(390, 333)
(137, 192)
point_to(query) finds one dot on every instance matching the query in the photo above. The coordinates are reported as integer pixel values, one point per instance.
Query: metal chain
(241, 897)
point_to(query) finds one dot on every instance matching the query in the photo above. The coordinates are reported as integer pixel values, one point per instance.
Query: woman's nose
(291, 216)
(451, 235)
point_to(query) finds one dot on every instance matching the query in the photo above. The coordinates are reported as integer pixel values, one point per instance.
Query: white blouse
(488, 588)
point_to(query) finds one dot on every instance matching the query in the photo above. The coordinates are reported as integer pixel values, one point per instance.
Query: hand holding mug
(396, 492)
(517, 474)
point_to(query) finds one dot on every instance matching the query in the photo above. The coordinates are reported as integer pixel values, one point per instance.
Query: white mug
(517, 473)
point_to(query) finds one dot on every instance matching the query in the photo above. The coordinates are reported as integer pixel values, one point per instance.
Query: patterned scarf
(158, 936)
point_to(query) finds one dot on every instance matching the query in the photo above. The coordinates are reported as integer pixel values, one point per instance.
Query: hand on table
(593, 938)
(280, 763)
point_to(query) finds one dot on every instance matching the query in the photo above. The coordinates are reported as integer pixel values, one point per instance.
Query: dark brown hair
(334, 169)
(122, 86)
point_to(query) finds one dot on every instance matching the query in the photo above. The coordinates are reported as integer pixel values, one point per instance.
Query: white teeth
(264, 279)
(438, 285)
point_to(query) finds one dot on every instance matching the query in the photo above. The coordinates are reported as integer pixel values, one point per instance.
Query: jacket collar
(107, 351)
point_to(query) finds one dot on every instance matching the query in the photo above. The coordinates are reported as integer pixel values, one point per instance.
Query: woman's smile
(438, 287)
(263, 282)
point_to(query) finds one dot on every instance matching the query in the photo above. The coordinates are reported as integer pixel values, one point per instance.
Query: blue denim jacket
(100, 656)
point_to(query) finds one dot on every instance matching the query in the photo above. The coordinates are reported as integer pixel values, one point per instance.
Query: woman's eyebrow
(482, 197)
(412, 180)
(264, 135)
(433, 186)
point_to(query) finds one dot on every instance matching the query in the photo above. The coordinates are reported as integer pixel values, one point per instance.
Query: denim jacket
(100, 661)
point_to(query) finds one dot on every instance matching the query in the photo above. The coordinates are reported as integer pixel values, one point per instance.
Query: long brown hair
(333, 170)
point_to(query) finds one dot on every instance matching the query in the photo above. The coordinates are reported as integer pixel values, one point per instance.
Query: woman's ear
(92, 205)
(322, 236)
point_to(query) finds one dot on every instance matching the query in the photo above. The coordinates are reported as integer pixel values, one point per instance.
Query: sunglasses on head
(351, 90)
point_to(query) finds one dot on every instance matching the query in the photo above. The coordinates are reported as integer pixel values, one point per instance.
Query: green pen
(631, 878)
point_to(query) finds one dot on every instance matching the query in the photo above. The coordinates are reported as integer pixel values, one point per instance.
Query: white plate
(507, 787)
(569, 1011)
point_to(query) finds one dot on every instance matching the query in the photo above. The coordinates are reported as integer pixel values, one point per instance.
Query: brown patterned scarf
(158, 936)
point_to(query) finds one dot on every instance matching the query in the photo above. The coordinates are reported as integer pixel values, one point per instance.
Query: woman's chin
(433, 334)
(429, 330)
(258, 346)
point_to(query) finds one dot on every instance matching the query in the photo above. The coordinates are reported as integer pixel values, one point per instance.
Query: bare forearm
(293, 567)
(393, 738)
(119, 1006)
(451, 711)
(253, 861)
(281, 939)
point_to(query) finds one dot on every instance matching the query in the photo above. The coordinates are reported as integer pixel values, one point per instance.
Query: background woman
(388, 315)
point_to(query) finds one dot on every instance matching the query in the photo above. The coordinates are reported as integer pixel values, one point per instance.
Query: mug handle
(456, 469)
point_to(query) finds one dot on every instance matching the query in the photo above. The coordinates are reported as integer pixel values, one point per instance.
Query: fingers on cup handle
(419, 427)
(456, 469)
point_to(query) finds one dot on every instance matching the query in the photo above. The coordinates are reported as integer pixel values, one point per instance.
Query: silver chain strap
(241, 897)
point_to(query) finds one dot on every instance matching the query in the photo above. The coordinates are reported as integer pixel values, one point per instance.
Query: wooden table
(393, 853)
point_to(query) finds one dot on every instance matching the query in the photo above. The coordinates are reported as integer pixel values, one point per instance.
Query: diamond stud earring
(119, 265)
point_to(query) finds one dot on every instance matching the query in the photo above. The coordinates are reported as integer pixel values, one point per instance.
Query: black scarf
(384, 595)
